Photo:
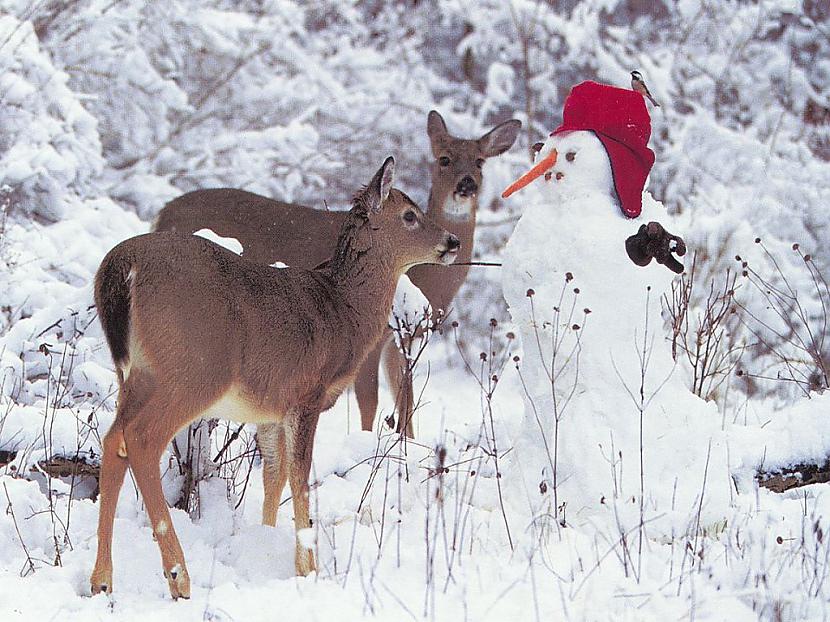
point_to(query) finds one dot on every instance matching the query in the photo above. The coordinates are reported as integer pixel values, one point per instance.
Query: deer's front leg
(270, 438)
(300, 427)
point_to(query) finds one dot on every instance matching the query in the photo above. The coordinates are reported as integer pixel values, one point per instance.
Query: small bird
(639, 85)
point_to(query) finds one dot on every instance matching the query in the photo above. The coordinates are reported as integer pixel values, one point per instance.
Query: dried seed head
(740, 372)
(808, 258)
(483, 356)
(576, 290)
(530, 292)
(757, 240)
(516, 358)
(586, 310)
(510, 335)
(575, 327)
(455, 323)
(795, 246)
(493, 322)
(569, 277)
(737, 258)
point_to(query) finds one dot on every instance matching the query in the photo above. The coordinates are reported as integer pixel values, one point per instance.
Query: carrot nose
(539, 169)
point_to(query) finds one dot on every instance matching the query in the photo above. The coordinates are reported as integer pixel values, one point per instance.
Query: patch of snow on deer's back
(232, 244)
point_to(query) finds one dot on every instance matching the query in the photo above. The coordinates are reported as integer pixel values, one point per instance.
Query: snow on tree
(50, 153)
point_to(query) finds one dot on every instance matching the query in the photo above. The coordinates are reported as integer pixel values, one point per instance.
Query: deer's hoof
(100, 582)
(178, 581)
(304, 561)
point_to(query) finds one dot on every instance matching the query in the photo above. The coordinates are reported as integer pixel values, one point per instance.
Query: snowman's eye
(570, 156)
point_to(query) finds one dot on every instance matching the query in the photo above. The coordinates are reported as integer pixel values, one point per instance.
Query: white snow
(410, 309)
(232, 244)
(111, 109)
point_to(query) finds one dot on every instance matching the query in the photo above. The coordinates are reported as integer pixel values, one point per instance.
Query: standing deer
(272, 231)
(196, 331)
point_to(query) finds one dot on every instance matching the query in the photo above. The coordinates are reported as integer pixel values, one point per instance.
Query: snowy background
(110, 108)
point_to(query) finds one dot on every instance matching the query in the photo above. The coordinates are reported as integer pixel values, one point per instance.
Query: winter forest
(589, 439)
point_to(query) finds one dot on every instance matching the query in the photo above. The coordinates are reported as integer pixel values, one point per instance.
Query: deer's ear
(436, 130)
(378, 190)
(500, 138)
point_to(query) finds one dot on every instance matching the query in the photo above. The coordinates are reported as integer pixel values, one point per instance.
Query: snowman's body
(572, 223)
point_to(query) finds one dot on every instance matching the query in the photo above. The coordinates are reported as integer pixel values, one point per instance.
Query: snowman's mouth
(538, 169)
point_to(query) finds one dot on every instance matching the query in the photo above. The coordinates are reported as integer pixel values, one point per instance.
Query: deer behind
(196, 331)
(272, 231)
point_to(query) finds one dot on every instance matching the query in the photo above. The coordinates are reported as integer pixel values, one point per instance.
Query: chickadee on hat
(620, 120)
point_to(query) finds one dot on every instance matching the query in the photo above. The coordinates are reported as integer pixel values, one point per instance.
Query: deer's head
(399, 228)
(456, 170)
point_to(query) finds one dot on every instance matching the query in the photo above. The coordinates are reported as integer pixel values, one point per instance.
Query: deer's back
(276, 335)
(269, 230)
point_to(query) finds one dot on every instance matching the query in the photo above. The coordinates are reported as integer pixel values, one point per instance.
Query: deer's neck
(364, 274)
(457, 217)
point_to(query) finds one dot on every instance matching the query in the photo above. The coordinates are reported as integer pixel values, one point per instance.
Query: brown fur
(271, 231)
(211, 334)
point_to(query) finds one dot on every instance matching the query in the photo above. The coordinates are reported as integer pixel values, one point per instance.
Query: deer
(272, 231)
(197, 331)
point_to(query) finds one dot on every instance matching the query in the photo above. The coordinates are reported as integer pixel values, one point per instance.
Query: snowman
(585, 296)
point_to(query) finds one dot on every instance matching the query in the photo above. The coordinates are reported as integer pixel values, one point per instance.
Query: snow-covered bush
(49, 148)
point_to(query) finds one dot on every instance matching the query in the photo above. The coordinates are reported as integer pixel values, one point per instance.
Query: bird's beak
(538, 169)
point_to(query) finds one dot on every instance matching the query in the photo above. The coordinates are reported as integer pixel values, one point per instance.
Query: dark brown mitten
(652, 241)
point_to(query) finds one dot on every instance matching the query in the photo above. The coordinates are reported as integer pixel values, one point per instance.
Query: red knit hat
(621, 121)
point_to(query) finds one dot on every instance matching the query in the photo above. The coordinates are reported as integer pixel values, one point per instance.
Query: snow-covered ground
(396, 538)
(107, 110)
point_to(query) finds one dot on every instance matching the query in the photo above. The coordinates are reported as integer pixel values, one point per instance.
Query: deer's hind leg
(113, 468)
(146, 435)
(270, 438)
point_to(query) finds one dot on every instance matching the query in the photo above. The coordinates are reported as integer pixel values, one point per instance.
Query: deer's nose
(467, 186)
(453, 243)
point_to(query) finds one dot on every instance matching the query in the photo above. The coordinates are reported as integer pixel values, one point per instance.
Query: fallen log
(6, 457)
(782, 480)
(60, 466)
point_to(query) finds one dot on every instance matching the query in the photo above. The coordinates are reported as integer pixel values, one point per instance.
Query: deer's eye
(410, 217)
(480, 162)
(444, 161)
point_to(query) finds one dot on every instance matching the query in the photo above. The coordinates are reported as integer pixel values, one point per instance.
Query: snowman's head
(568, 163)
(597, 116)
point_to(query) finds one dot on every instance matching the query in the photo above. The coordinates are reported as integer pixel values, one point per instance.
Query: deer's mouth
(459, 206)
(447, 257)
